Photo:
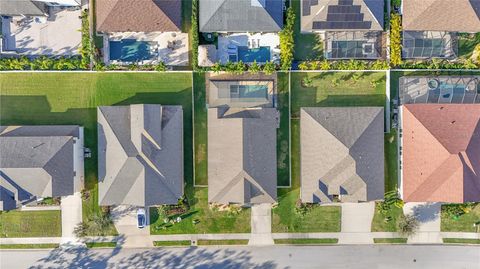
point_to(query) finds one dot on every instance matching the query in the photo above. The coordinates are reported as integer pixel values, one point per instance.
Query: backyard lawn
(207, 220)
(47, 223)
(201, 129)
(386, 222)
(466, 44)
(463, 223)
(307, 46)
(283, 133)
(72, 98)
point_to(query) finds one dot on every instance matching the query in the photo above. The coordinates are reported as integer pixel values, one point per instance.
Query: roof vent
(452, 122)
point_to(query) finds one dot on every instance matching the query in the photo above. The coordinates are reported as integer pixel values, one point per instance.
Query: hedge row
(344, 65)
(240, 68)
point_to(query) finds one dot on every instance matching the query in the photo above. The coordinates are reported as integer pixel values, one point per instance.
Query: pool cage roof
(360, 45)
(442, 89)
(427, 45)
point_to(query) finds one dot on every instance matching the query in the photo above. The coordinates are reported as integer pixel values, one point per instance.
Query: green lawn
(209, 221)
(319, 219)
(386, 222)
(306, 241)
(307, 46)
(464, 223)
(200, 127)
(101, 244)
(337, 89)
(283, 154)
(203, 242)
(391, 161)
(390, 240)
(466, 44)
(71, 98)
(27, 246)
(47, 223)
(460, 241)
(172, 243)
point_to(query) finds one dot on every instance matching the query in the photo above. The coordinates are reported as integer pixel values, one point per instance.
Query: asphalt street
(373, 256)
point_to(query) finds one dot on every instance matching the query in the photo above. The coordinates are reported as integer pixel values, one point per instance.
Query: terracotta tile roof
(138, 15)
(441, 15)
(441, 152)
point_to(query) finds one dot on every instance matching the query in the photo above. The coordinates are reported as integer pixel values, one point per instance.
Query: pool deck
(271, 40)
(172, 47)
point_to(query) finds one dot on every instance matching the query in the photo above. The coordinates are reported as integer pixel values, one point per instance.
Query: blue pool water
(130, 50)
(261, 55)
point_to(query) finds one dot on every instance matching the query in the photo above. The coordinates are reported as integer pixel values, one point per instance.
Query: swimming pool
(248, 92)
(131, 50)
(261, 54)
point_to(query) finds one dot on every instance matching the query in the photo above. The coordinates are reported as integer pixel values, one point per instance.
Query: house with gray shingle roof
(140, 155)
(342, 154)
(351, 29)
(38, 162)
(242, 155)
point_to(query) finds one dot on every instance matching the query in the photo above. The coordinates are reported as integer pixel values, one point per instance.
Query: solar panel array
(345, 15)
(306, 6)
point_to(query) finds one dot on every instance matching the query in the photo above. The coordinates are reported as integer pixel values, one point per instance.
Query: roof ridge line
(113, 131)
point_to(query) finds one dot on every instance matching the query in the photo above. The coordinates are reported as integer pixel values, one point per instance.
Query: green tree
(287, 42)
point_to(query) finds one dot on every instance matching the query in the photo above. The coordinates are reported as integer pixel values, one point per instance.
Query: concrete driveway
(261, 223)
(71, 207)
(125, 220)
(428, 216)
(357, 218)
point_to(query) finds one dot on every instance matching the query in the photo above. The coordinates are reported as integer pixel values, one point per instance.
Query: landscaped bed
(17, 223)
(72, 98)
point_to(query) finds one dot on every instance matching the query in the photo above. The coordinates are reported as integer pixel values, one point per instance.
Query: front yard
(463, 223)
(72, 98)
(386, 221)
(16, 223)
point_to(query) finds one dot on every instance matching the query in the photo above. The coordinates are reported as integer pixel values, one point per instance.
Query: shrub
(287, 42)
(161, 67)
(86, 49)
(302, 208)
(97, 225)
(255, 68)
(456, 210)
(307, 82)
(408, 225)
(395, 39)
(269, 68)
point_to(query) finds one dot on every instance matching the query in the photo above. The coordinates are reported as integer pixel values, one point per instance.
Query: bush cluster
(287, 41)
(343, 65)
(395, 39)
(241, 67)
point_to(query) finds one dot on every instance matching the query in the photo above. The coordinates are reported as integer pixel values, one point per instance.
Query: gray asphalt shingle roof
(342, 153)
(242, 155)
(140, 150)
(22, 7)
(37, 161)
(240, 15)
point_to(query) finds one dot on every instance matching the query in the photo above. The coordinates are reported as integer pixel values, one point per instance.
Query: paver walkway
(428, 216)
(357, 221)
(261, 223)
(71, 207)
(125, 220)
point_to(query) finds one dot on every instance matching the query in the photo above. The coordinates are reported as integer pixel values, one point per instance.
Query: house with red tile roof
(440, 153)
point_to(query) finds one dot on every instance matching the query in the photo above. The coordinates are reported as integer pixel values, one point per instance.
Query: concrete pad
(428, 216)
(357, 217)
(71, 207)
(355, 238)
(125, 220)
(261, 223)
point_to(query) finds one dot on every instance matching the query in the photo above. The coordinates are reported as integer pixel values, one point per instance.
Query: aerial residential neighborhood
(240, 134)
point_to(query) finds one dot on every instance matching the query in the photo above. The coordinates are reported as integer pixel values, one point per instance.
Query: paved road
(417, 256)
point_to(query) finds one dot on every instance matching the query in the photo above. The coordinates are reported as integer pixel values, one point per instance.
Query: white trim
(388, 116)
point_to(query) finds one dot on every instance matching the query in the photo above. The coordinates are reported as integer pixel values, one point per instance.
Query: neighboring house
(247, 30)
(40, 27)
(342, 154)
(351, 29)
(142, 31)
(430, 26)
(242, 155)
(440, 159)
(140, 155)
(38, 162)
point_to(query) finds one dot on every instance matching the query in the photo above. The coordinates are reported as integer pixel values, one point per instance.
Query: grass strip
(27, 246)
(390, 240)
(203, 242)
(460, 241)
(101, 244)
(306, 241)
(172, 243)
